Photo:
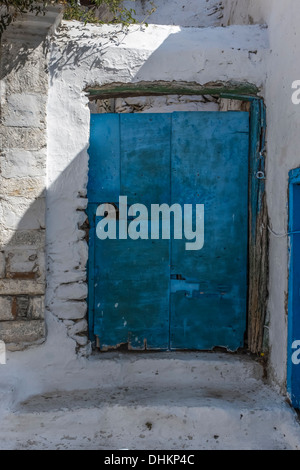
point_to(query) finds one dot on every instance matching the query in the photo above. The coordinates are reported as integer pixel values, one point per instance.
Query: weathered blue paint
(131, 277)
(210, 166)
(104, 164)
(103, 186)
(293, 367)
(155, 291)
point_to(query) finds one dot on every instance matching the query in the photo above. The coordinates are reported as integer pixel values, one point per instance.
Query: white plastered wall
(82, 56)
(191, 13)
(283, 143)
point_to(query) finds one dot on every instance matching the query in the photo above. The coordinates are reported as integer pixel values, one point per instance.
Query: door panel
(145, 158)
(132, 276)
(104, 163)
(210, 167)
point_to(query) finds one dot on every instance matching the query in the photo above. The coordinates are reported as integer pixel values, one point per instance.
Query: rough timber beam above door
(114, 90)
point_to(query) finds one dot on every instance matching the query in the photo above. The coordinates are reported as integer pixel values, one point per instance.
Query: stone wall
(24, 88)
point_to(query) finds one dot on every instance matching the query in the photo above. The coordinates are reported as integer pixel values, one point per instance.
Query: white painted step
(158, 401)
(166, 369)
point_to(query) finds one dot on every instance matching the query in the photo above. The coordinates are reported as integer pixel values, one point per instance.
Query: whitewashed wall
(190, 13)
(283, 142)
(185, 44)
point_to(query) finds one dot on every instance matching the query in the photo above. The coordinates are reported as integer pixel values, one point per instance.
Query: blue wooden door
(153, 293)
(210, 166)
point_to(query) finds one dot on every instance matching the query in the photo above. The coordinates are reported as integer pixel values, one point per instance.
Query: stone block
(25, 263)
(21, 261)
(73, 291)
(23, 163)
(6, 308)
(25, 238)
(71, 310)
(23, 138)
(80, 340)
(22, 331)
(2, 264)
(2, 361)
(24, 110)
(82, 203)
(26, 187)
(23, 214)
(37, 307)
(20, 307)
(31, 77)
(86, 350)
(78, 327)
(21, 287)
